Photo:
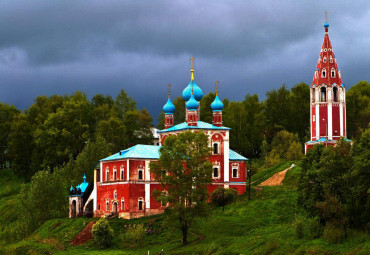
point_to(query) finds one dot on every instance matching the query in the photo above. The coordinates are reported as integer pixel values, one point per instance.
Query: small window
(99, 207)
(215, 148)
(333, 73)
(141, 174)
(323, 74)
(215, 172)
(122, 204)
(323, 94)
(107, 205)
(313, 118)
(122, 174)
(114, 175)
(324, 59)
(331, 59)
(115, 194)
(235, 172)
(141, 204)
(107, 175)
(316, 74)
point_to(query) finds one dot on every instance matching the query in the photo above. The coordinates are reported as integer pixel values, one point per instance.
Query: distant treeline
(55, 129)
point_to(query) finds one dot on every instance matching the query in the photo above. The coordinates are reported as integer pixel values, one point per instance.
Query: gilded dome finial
(217, 88)
(169, 90)
(192, 68)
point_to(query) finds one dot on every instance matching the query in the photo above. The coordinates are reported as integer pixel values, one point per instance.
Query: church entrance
(74, 209)
(115, 208)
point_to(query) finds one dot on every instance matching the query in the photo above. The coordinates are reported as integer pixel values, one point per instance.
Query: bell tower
(328, 104)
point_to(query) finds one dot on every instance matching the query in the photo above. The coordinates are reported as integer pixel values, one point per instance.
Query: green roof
(141, 151)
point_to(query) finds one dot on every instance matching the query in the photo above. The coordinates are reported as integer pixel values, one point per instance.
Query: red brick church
(123, 184)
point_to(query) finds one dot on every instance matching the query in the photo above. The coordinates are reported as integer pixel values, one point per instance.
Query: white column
(330, 121)
(317, 112)
(128, 169)
(341, 118)
(226, 160)
(147, 184)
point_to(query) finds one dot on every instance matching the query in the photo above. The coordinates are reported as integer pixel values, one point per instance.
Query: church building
(123, 184)
(328, 99)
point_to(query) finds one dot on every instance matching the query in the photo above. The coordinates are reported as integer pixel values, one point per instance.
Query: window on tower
(323, 74)
(323, 94)
(215, 148)
(324, 59)
(331, 59)
(215, 172)
(335, 94)
(333, 73)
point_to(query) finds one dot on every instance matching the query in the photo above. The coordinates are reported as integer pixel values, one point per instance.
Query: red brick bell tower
(328, 104)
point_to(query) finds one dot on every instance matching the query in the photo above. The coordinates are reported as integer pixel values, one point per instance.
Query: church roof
(200, 125)
(141, 151)
(328, 63)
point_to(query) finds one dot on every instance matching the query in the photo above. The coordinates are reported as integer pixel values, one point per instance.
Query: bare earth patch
(276, 179)
(84, 236)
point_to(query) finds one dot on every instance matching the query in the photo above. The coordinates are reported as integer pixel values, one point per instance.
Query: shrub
(102, 233)
(298, 225)
(133, 236)
(314, 227)
(273, 159)
(334, 233)
(222, 196)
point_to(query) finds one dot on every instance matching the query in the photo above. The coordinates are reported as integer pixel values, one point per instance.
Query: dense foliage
(102, 233)
(184, 174)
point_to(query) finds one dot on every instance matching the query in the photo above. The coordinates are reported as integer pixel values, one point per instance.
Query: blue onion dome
(217, 104)
(169, 108)
(192, 104)
(326, 24)
(197, 91)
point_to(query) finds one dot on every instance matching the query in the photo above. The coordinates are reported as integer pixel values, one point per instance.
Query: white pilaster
(330, 121)
(128, 169)
(147, 184)
(341, 118)
(226, 160)
(317, 112)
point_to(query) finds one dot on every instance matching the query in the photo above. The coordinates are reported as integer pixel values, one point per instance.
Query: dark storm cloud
(49, 47)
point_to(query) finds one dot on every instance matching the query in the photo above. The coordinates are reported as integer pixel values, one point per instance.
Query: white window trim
(107, 205)
(138, 171)
(138, 203)
(322, 73)
(237, 172)
(332, 72)
(218, 148)
(331, 59)
(107, 173)
(218, 171)
(324, 60)
(122, 173)
(123, 207)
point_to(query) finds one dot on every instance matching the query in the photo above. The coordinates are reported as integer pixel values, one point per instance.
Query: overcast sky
(59, 47)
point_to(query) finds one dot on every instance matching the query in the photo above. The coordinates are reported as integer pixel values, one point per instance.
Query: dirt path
(84, 236)
(276, 179)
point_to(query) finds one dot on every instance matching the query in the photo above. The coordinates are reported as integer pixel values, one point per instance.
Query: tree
(206, 114)
(179, 115)
(102, 233)
(358, 108)
(286, 145)
(222, 196)
(113, 131)
(299, 109)
(184, 171)
(124, 103)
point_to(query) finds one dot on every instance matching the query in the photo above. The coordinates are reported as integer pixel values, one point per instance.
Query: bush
(298, 225)
(133, 236)
(102, 233)
(334, 233)
(222, 196)
(314, 227)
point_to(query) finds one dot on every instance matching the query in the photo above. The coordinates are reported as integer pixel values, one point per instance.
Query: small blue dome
(169, 108)
(192, 104)
(217, 104)
(326, 24)
(71, 189)
(197, 91)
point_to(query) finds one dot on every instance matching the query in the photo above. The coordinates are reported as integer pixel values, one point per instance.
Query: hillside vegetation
(260, 226)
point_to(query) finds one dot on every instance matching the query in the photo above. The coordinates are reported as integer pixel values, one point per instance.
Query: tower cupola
(169, 110)
(217, 107)
(192, 110)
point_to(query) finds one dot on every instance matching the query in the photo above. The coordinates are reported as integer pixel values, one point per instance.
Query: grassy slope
(260, 226)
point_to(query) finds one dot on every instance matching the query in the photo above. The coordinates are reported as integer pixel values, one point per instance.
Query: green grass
(266, 173)
(260, 226)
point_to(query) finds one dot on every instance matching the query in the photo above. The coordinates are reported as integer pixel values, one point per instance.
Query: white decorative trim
(341, 118)
(147, 184)
(330, 121)
(128, 169)
(226, 159)
(317, 111)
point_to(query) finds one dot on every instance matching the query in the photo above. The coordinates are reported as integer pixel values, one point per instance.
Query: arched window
(114, 173)
(333, 73)
(141, 204)
(216, 172)
(331, 59)
(140, 174)
(107, 205)
(323, 94)
(122, 173)
(324, 59)
(122, 204)
(313, 95)
(107, 173)
(215, 148)
(115, 194)
(335, 94)
(323, 73)
(235, 172)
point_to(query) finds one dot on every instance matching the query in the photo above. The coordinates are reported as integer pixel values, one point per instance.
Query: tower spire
(169, 90)
(216, 88)
(192, 68)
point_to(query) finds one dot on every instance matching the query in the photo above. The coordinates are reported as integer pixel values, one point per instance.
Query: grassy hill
(260, 226)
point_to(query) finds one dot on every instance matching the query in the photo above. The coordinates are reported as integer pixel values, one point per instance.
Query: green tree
(358, 108)
(205, 107)
(102, 233)
(185, 174)
(124, 103)
(21, 146)
(299, 121)
(161, 120)
(7, 114)
(113, 131)
(179, 115)
(286, 145)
